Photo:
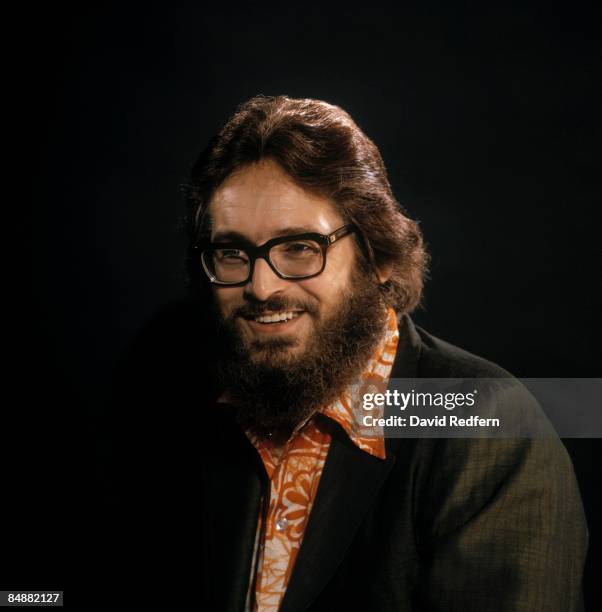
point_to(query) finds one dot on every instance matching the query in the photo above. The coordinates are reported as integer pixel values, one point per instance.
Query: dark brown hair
(322, 149)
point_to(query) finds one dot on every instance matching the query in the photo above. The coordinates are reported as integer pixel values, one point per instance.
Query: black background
(487, 117)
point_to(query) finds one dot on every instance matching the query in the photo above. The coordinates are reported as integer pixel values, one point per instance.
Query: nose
(264, 282)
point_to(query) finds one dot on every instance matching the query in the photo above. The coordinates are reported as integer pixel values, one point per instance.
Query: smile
(278, 317)
(275, 322)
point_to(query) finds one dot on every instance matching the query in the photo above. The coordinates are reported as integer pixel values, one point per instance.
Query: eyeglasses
(290, 257)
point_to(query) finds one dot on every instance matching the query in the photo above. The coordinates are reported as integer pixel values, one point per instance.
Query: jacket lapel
(348, 488)
(233, 490)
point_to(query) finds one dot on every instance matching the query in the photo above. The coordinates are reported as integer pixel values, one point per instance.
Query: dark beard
(274, 394)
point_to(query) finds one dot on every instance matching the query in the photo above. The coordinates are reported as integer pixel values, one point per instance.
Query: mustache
(255, 308)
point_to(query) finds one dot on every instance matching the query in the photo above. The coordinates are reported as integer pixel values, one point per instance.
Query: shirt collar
(348, 410)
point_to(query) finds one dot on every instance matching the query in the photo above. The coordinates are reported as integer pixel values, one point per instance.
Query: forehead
(261, 201)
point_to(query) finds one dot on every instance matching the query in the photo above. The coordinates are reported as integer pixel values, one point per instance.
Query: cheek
(342, 260)
(336, 278)
(226, 298)
(325, 289)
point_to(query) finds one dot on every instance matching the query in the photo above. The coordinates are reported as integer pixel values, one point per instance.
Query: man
(308, 269)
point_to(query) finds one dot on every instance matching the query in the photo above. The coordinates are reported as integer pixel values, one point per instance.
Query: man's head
(254, 205)
(284, 168)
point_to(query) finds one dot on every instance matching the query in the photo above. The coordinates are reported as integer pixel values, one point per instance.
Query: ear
(384, 272)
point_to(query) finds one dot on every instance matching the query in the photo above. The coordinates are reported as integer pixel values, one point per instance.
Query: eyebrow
(228, 235)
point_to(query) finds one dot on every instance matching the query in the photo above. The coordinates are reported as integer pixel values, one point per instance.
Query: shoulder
(501, 395)
(457, 477)
(440, 359)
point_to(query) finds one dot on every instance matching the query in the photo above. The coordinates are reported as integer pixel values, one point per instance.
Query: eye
(230, 256)
(301, 248)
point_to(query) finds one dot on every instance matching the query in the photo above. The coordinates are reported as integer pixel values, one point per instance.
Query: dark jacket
(441, 524)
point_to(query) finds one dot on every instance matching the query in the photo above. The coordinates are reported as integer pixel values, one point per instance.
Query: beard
(274, 390)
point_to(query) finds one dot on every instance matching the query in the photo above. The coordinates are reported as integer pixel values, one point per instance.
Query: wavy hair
(323, 151)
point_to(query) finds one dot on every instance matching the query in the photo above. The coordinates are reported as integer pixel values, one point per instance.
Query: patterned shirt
(294, 471)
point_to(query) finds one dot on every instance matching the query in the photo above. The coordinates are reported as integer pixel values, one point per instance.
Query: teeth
(274, 318)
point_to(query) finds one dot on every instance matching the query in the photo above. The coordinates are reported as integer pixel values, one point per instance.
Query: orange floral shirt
(294, 472)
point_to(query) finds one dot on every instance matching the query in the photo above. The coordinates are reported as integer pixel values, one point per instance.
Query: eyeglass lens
(296, 258)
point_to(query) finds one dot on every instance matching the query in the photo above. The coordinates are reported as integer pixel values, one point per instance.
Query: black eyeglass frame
(262, 251)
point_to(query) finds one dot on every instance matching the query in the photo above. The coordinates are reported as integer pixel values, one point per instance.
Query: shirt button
(281, 525)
